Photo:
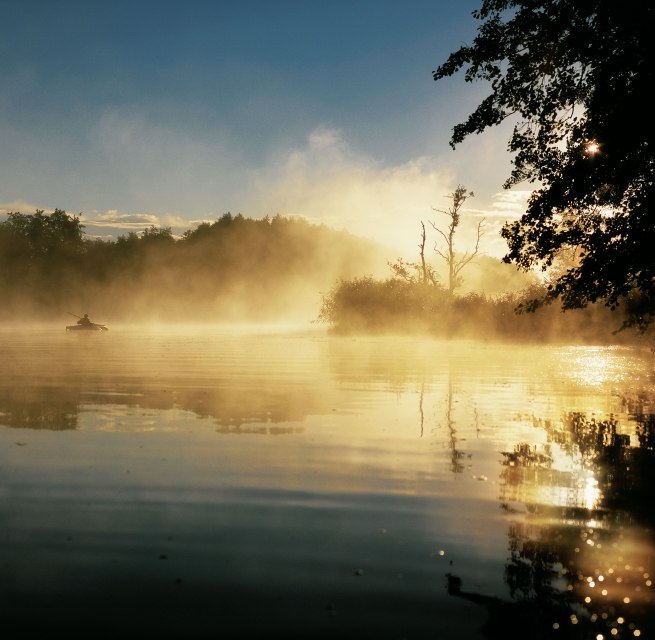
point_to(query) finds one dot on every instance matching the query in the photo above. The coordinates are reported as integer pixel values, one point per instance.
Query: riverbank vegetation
(552, 69)
(394, 306)
(238, 269)
(233, 269)
(453, 294)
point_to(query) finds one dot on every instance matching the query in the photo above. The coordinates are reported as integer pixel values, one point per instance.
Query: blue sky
(171, 112)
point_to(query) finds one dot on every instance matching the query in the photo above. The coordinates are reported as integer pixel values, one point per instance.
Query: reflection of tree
(600, 451)
(571, 572)
(235, 410)
(563, 572)
(625, 473)
(561, 585)
(456, 455)
(594, 439)
(29, 408)
(646, 431)
(525, 618)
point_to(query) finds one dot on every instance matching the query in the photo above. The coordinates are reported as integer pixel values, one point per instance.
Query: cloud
(127, 220)
(112, 223)
(502, 207)
(327, 182)
(172, 178)
(21, 207)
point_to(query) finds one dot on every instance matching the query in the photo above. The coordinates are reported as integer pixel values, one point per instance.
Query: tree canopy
(574, 77)
(235, 268)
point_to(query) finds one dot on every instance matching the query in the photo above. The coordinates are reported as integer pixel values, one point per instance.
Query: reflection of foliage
(528, 466)
(562, 581)
(549, 570)
(639, 407)
(573, 571)
(626, 474)
(646, 431)
(530, 573)
(526, 455)
(596, 440)
(38, 409)
(234, 411)
(535, 617)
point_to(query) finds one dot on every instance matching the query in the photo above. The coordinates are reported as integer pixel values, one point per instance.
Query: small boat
(87, 327)
(85, 324)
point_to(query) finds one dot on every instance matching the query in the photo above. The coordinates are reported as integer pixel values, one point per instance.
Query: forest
(239, 269)
(234, 269)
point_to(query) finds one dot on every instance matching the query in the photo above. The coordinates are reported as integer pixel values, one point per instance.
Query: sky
(134, 113)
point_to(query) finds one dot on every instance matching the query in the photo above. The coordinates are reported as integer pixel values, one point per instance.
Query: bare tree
(456, 264)
(415, 272)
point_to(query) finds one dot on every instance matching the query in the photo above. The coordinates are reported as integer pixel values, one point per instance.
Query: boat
(87, 327)
(85, 324)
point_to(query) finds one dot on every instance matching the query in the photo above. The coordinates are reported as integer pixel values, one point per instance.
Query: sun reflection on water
(591, 495)
(595, 367)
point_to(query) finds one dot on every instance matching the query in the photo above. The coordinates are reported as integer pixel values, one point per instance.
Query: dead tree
(455, 264)
(415, 272)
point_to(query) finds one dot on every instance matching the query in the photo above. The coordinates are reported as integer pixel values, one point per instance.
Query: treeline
(235, 268)
(270, 269)
(394, 305)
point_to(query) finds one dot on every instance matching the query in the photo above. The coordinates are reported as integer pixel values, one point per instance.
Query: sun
(592, 148)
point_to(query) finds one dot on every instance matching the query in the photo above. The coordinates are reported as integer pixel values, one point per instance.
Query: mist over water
(202, 479)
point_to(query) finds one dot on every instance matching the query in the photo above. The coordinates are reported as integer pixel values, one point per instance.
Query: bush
(366, 305)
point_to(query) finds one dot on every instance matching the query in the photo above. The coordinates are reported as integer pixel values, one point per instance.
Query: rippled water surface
(197, 482)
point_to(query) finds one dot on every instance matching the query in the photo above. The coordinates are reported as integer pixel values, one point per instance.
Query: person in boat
(84, 321)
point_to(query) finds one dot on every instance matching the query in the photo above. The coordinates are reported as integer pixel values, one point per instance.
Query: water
(192, 482)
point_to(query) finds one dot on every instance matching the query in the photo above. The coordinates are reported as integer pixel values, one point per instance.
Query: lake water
(200, 482)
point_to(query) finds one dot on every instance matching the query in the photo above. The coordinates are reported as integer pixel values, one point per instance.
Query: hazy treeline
(235, 268)
(394, 305)
(270, 269)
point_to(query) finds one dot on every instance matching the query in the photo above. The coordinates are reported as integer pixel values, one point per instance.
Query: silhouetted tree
(416, 272)
(576, 78)
(454, 262)
(40, 234)
(157, 234)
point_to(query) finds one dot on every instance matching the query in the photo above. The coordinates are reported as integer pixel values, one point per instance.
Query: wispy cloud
(327, 182)
(179, 181)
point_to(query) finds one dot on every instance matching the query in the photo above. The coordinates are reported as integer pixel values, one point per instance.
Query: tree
(157, 234)
(455, 264)
(39, 243)
(576, 79)
(416, 272)
(45, 234)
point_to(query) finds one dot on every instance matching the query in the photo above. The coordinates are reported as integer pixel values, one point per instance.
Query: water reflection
(233, 410)
(38, 408)
(414, 489)
(575, 567)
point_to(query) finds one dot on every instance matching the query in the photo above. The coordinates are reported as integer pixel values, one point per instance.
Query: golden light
(592, 148)
(591, 497)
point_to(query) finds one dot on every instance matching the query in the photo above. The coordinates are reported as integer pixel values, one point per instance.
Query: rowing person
(85, 320)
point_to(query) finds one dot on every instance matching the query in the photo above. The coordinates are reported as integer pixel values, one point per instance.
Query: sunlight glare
(592, 148)
(592, 367)
(591, 494)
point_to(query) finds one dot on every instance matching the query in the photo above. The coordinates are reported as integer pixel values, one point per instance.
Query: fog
(233, 269)
(271, 270)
